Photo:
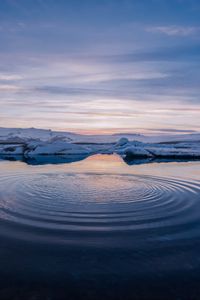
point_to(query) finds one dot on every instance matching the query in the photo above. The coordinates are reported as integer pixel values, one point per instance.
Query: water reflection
(66, 159)
(132, 162)
(44, 159)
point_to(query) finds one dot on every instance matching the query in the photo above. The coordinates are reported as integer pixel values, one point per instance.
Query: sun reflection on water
(108, 164)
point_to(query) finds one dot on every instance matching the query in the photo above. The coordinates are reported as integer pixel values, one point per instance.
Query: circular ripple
(66, 203)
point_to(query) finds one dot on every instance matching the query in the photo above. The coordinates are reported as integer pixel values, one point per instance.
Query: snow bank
(175, 152)
(144, 150)
(137, 152)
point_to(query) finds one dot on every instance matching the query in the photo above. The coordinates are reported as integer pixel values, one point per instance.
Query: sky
(100, 66)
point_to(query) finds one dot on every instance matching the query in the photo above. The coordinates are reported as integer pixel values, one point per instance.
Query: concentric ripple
(60, 203)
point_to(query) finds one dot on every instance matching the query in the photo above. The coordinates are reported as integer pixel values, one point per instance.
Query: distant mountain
(20, 135)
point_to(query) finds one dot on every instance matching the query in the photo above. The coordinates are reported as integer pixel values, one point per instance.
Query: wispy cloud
(175, 30)
(9, 88)
(10, 77)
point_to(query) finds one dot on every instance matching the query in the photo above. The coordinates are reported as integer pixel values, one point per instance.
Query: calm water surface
(100, 229)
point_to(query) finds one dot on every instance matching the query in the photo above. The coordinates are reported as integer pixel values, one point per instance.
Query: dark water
(100, 229)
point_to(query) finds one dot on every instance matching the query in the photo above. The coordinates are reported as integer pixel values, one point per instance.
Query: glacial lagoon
(99, 227)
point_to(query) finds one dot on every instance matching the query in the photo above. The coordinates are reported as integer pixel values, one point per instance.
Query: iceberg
(55, 148)
(33, 142)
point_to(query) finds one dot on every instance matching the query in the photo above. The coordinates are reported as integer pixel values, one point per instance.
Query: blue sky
(100, 65)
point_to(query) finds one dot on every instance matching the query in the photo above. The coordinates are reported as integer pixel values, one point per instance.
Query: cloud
(118, 64)
(9, 88)
(167, 53)
(10, 77)
(174, 30)
(168, 130)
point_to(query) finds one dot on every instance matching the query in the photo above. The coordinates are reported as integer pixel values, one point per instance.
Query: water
(99, 229)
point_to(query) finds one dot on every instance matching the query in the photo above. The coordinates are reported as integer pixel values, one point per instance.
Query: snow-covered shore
(32, 142)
